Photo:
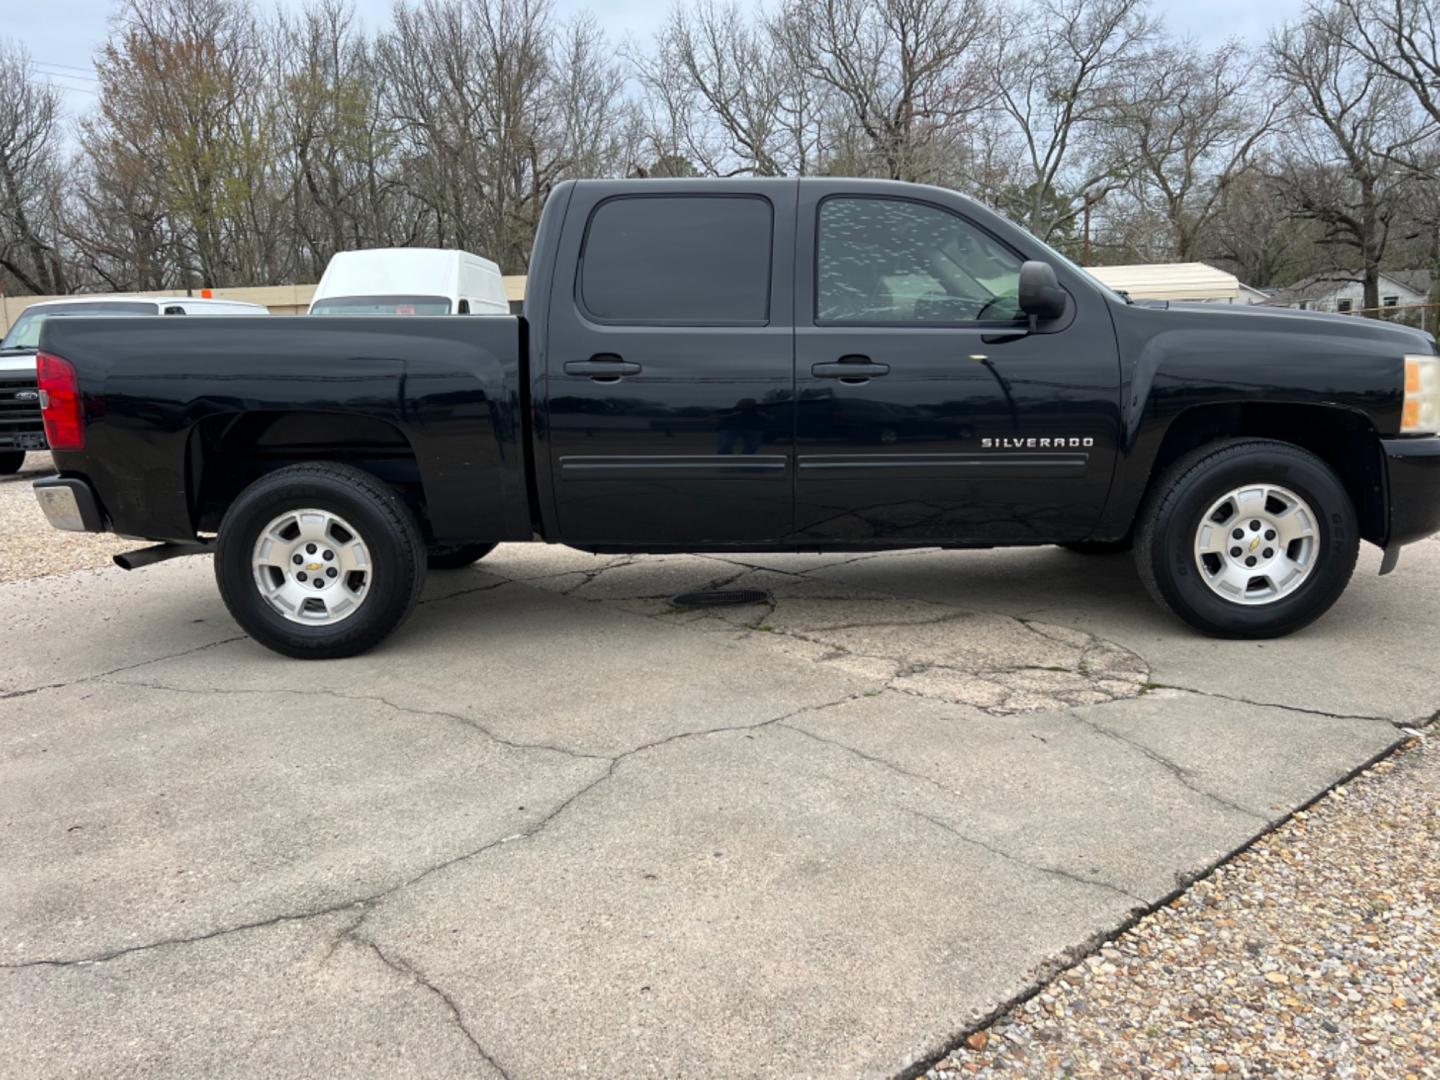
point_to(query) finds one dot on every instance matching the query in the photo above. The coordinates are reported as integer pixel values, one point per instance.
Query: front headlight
(1421, 415)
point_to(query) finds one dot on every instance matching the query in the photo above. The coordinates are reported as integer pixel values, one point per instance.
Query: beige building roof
(1170, 281)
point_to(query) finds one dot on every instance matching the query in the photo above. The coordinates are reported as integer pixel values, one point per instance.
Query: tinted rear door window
(678, 260)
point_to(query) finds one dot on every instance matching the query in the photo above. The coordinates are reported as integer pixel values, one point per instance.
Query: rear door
(669, 380)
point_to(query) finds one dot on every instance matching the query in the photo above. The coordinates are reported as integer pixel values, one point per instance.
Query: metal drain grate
(720, 597)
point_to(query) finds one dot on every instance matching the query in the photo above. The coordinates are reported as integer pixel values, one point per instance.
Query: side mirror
(1041, 296)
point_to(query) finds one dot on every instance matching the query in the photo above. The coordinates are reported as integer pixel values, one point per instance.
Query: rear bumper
(1412, 469)
(69, 504)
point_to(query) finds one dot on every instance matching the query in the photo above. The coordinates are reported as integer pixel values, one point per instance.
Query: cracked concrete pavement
(557, 825)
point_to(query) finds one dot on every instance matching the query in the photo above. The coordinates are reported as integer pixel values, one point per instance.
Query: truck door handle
(853, 369)
(602, 367)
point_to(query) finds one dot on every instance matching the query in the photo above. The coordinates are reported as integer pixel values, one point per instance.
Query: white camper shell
(409, 281)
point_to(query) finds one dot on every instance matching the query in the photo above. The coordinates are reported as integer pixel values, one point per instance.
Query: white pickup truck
(21, 430)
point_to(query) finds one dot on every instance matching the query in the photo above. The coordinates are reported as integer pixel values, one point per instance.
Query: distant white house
(1325, 292)
(1249, 294)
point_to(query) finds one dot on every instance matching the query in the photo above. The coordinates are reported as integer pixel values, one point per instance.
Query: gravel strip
(1315, 953)
(29, 547)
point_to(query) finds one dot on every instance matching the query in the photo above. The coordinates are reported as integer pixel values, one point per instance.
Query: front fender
(1175, 362)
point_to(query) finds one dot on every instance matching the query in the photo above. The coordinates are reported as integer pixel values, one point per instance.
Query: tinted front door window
(885, 261)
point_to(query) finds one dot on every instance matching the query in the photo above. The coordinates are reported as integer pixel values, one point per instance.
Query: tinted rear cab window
(701, 260)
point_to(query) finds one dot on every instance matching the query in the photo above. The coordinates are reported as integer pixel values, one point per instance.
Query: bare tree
(29, 175)
(1193, 128)
(1400, 38)
(725, 95)
(494, 106)
(340, 151)
(1255, 234)
(182, 86)
(904, 77)
(1062, 66)
(1339, 166)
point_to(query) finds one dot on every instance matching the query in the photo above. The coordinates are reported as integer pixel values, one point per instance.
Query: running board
(149, 556)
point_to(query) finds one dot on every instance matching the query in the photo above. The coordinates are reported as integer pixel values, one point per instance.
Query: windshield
(381, 305)
(25, 334)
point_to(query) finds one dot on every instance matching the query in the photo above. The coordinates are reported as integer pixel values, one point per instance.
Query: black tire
(456, 556)
(1169, 520)
(391, 536)
(1100, 547)
(11, 461)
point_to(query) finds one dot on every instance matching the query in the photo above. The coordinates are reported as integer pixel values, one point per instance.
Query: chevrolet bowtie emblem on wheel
(313, 566)
(1254, 543)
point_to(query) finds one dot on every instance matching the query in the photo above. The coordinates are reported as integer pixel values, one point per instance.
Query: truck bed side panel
(450, 386)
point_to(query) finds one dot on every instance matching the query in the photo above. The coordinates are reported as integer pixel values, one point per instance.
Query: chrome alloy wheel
(1257, 544)
(312, 567)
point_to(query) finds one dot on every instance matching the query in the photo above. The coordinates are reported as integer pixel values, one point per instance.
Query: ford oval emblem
(28, 395)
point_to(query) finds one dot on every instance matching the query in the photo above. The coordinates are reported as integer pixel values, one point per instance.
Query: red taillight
(60, 403)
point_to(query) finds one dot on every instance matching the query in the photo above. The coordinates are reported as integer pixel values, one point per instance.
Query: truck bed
(435, 404)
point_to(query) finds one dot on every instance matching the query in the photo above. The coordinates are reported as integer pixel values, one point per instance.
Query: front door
(670, 367)
(911, 426)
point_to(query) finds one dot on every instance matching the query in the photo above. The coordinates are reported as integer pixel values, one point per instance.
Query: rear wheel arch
(228, 452)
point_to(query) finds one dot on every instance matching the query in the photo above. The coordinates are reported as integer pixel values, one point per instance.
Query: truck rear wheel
(456, 556)
(1247, 539)
(11, 461)
(319, 561)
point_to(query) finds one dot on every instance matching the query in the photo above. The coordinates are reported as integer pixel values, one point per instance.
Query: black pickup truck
(817, 364)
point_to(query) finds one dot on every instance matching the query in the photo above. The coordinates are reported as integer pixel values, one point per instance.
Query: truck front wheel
(319, 561)
(1247, 539)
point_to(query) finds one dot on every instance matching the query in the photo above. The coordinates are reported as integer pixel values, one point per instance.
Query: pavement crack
(874, 759)
(420, 979)
(591, 575)
(1053, 871)
(368, 903)
(189, 939)
(894, 624)
(1281, 705)
(379, 699)
(466, 592)
(80, 679)
(1175, 769)
(921, 777)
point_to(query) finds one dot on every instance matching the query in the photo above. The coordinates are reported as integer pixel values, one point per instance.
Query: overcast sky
(62, 34)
